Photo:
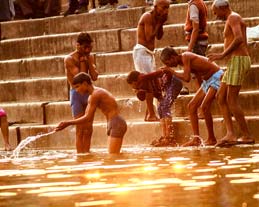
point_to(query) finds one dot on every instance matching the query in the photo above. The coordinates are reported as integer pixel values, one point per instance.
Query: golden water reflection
(136, 178)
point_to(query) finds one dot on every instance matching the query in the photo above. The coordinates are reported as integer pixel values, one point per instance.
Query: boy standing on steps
(166, 93)
(210, 74)
(236, 49)
(104, 100)
(81, 60)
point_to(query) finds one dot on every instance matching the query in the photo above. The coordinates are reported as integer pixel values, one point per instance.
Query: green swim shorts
(237, 68)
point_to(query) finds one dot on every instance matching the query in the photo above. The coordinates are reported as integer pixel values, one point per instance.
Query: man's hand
(166, 68)
(62, 125)
(215, 56)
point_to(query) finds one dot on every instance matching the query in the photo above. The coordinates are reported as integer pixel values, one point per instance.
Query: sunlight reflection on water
(139, 177)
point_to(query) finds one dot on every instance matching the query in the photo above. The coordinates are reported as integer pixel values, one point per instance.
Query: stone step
(56, 88)
(174, 34)
(110, 19)
(110, 40)
(48, 89)
(138, 133)
(107, 63)
(131, 108)
(47, 66)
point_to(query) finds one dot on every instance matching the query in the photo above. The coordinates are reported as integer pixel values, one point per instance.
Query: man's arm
(235, 25)
(70, 66)
(184, 75)
(194, 17)
(234, 22)
(92, 67)
(87, 117)
(194, 35)
(150, 31)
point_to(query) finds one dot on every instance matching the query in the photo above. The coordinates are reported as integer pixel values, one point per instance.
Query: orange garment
(203, 13)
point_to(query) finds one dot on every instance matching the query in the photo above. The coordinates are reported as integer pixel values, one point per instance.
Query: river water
(141, 176)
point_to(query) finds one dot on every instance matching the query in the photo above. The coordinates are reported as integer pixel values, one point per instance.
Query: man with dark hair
(150, 27)
(236, 50)
(210, 73)
(104, 100)
(81, 60)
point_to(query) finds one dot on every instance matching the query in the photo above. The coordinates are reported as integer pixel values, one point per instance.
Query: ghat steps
(34, 90)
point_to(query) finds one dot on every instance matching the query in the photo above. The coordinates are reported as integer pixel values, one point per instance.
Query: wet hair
(84, 37)
(167, 52)
(220, 3)
(82, 77)
(132, 76)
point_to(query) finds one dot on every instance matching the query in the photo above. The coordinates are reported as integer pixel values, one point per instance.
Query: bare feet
(8, 147)
(210, 142)
(245, 140)
(164, 142)
(195, 141)
(227, 141)
(151, 118)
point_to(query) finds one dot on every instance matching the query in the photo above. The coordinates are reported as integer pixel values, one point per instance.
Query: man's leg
(5, 132)
(83, 136)
(235, 108)
(151, 115)
(224, 107)
(114, 144)
(206, 106)
(193, 107)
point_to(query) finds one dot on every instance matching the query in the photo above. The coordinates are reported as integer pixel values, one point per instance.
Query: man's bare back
(199, 65)
(104, 100)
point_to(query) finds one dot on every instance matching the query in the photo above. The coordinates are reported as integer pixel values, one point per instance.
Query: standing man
(195, 27)
(195, 30)
(105, 101)
(150, 27)
(81, 60)
(236, 50)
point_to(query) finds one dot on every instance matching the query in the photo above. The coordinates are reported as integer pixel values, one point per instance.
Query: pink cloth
(2, 112)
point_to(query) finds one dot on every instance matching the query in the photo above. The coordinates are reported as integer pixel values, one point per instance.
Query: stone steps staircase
(35, 93)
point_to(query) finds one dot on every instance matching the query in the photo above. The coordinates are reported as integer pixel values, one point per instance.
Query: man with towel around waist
(150, 27)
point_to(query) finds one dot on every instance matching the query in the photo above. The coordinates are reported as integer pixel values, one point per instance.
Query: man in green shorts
(236, 49)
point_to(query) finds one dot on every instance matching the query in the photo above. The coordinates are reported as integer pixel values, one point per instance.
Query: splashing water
(26, 141)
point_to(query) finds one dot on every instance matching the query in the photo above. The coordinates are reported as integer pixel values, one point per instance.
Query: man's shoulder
(145, 17)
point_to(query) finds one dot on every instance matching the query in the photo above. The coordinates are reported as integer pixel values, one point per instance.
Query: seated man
(210, 74)
(166, 92)
(5, 129)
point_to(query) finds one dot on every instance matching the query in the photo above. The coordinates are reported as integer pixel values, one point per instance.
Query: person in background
(105, 101)
(5, 129)
(39, 8)
(78, 7)
(236, 50)
(150, 27)
(195, 32)
(81, 60)
(7, 11)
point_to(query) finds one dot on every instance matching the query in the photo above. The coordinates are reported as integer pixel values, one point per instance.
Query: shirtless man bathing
(210, 74)
(236, 51)
(102, 99)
